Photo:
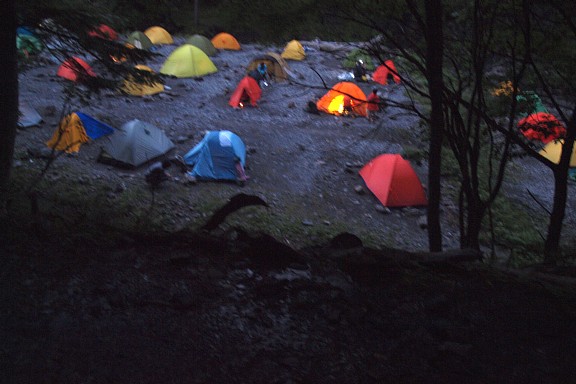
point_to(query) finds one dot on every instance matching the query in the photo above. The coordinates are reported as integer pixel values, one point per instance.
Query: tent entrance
(336, 105)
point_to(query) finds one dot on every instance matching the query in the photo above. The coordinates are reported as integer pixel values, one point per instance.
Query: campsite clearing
(243, 307)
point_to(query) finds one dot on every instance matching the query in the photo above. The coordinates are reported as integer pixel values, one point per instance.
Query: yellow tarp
(552, 152)
(140, 89)
(69, 136)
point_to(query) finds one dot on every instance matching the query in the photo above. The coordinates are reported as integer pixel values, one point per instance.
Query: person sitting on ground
(373, 104)
(263, 69)
(157, 173)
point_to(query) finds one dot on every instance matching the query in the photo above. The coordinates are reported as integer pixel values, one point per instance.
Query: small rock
(120, 187)
(307, 222)
(181, 139)
(359, 189)
(291, 104)
(382, 209)
(422, 222)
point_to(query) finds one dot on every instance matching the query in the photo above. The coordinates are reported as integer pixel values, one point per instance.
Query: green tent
(139, 40)
(203, 43)
(188, 61)
(358, 54)
(28, 45)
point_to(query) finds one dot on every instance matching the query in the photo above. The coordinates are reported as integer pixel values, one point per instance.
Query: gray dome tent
(135, 143)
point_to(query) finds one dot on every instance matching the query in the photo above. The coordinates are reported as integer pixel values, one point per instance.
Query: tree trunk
(434, 56)
(552, 243)
(8, 91)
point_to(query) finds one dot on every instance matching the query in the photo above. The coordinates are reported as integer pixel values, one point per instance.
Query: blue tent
(215, 157)
(94, 128)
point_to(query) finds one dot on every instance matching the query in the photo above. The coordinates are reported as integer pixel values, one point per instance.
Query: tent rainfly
(393, 181)
(226, 41)
(159, 35)
(188, 61)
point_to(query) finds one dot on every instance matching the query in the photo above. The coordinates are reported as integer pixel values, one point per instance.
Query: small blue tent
(94, 128)
(215, 157)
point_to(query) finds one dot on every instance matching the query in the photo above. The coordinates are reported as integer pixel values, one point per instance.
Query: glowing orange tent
(104, 32)
(542, 126)
(384, 71)
(247, 90)
(333, 101)
(393, 181)
(225, 40)
(74, 69)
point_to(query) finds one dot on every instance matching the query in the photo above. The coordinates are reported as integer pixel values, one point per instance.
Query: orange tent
(393, 181)
(225, 40)
(247, 90)
(74, 69)
(384, 71)
(333, 101)
(104, 32)
(69, 136)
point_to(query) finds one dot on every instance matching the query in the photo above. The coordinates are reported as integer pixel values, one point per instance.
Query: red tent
(542, 126)
(75, 68)
(104, 32)
(385, 70)
(393, 181)
(247, 90)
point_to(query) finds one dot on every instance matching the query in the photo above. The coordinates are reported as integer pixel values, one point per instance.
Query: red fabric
(381, 73)
(105, 32)
(247, 88)
(393, 181)
(373, 102)
(542, 126)
(74, 69)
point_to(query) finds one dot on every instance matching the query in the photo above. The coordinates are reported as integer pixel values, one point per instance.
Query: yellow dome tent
(159, 35)
(293, 51)
(135, 88)
(188, 61)
(553, 149)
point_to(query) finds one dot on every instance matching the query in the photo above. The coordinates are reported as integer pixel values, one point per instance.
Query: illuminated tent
(203, 43)
(143, 87)
(553, 150)
(542, 126)
(247, 90)
(393, 181)
(225, 40)
(215, 157)
(384, 72)
(159, 35)
(188, 61)
(138, 39)
(294, 51)
(276, 66)
(74, 69)
(103, 31)
(333, 101)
